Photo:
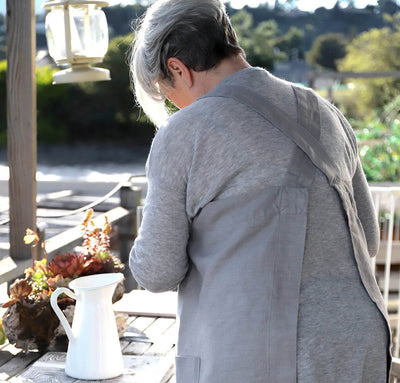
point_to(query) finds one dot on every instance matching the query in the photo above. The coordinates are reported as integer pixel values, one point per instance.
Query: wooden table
(148, 347)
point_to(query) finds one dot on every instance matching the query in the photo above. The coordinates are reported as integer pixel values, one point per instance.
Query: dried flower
(31, 238)
(87, 219)
(19, 290)
(90, 234)
(105, 236)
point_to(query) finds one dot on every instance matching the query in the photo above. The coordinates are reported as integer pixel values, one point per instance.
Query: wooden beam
(21, 122)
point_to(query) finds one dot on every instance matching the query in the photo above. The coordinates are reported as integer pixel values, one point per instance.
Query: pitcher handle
(57, 310)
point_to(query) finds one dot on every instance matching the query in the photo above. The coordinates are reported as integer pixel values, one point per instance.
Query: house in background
(299, 72)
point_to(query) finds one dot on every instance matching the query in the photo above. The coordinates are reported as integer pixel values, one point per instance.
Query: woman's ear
(180, 72)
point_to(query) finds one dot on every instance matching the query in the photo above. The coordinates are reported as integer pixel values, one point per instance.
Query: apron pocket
(187, 369)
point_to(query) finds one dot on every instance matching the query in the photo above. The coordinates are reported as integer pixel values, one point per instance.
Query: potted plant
(29, 321)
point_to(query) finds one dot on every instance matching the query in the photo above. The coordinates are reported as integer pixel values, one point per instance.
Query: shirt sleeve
(365, 209)
(158, 259)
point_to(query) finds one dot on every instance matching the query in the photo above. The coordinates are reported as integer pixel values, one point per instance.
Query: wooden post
(127, 230)
(21, 121)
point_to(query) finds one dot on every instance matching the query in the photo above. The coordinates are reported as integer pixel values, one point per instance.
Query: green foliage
(52, 108)
(379, 151)
(86, 112)
(257, 41)
(379, 144)
(3, 336)
(377, 50)
(291, 42)
(326, 50)
(110, 111)
(106, 110)
(3, 47)
(39, 278)
(120, 18)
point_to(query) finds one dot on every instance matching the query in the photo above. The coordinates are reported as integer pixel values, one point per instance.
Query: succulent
(58, 281)
(69, 265)
(38, 277)
(102, 262)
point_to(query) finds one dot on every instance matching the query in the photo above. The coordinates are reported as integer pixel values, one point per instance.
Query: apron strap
(301, 170)
(307, 138)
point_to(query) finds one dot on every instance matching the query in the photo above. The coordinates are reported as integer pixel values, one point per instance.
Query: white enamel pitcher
(94, 351)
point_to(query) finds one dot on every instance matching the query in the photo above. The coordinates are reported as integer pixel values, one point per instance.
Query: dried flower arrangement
(29, 321)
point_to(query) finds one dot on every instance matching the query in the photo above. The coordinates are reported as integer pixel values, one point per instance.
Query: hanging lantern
(77, 36)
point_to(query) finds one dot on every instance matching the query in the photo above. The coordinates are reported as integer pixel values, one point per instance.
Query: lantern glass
(55, 34)
(87, 32)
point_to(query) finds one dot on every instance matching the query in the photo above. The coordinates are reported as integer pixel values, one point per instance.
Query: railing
(387, 263)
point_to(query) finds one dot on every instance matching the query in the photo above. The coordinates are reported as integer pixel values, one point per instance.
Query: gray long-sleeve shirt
(213, 150)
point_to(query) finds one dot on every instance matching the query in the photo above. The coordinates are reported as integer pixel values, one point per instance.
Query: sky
(305, 5)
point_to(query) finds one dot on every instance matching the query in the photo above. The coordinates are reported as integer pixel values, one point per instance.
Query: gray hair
(198, 32)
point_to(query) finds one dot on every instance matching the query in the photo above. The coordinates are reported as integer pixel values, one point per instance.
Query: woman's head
(198, 32)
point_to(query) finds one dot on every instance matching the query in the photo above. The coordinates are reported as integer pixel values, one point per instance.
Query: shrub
(379, 148)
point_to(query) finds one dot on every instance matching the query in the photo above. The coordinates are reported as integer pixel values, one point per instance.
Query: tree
(291, 42)
(376, 50)
(121, 18)
(243, 23)
(388, 6)
(258, 42)
(326, 50)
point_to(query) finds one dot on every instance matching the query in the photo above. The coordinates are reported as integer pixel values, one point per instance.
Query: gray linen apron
(238, 304)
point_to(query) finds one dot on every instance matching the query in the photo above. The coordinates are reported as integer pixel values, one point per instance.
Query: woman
(257, 210)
